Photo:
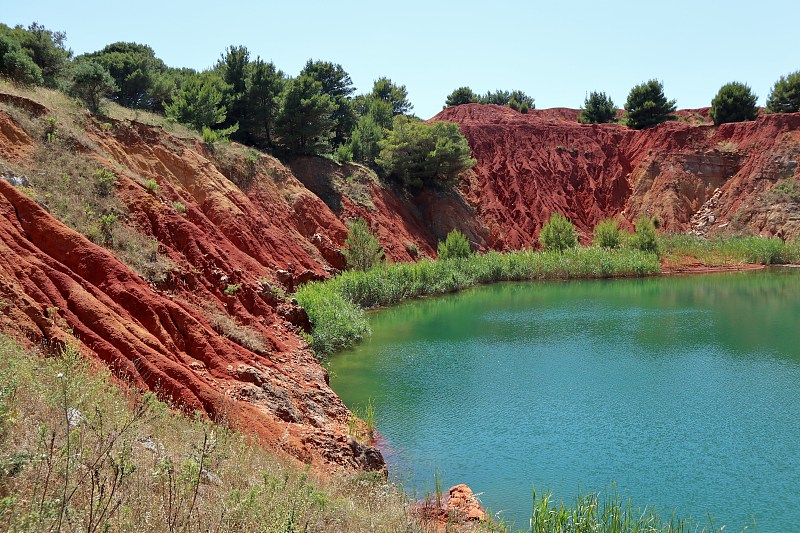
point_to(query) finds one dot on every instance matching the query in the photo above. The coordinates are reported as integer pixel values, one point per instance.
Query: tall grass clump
(80, 454)
(731, 251)
(605, 514)
(336, 306)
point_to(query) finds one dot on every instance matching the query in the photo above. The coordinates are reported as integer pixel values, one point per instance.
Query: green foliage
(785, 94)
(232, 289)
(343, 154)
(152, 186)
(598, 108)
(198, 103)
(730, 251)
(417, 154)
(462, 95)
(606, 514)
(395, 95)
(263, 89)
(454, 246)
(645, 237)
(107, 223)
(16, 64)
(335, 306)
(136, 71)
(180, 207)
(558, 234)
(233, 68)
(363, 251)
(501, 97)
(335, 82)
(47, 49)
(104, 182)
(523, 108)
(305, 122)
(91, 82)
(647, 106)
(734, 102)
(366, 136)
(607, 234)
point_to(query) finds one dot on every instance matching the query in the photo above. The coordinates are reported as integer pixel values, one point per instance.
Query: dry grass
(77, 453)
(228, 327)
(65, 180)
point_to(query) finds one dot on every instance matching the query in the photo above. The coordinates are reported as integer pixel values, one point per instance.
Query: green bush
(152, 186)
(363, 251)
(104, 182)
(647, 106)
(91, 82)
(455, 245)
(645, 237)
(734, 102)
(607, 234)
(558, 234)
(462, 95)
(417, 153)
(598, 108)
(785, 94)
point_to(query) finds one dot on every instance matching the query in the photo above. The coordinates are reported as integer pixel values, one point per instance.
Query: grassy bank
(79, 454)
(729, 251)
(336, 306)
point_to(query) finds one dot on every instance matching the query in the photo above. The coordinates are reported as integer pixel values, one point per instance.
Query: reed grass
(608, 513)
(336, 306)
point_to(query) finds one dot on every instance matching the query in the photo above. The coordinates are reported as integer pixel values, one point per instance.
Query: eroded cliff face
(532, 165)
(218, 333)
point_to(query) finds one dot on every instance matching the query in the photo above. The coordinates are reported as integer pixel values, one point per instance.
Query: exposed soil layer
(219, 333)
(531, 165)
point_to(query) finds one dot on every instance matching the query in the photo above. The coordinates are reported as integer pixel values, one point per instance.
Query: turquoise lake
(684, 391)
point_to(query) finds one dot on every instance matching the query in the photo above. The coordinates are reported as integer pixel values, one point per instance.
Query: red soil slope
(530, 166)
(261, 227)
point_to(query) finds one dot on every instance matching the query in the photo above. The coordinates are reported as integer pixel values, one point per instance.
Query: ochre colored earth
(262, 227)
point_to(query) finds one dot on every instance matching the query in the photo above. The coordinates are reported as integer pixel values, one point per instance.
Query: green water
(684, 391)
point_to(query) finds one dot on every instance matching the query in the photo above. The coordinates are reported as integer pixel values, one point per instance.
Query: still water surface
(683, 391)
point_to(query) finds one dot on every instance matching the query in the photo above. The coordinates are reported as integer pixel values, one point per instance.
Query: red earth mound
(531, 165)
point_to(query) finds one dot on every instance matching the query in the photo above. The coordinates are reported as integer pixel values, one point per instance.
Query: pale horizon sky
(555, 51)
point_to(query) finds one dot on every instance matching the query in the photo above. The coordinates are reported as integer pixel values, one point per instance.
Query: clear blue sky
(555, 51)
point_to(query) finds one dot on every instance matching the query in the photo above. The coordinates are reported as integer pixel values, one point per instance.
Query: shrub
(785, 94)
(607, 234)
(523, 108)
(16, 64)
(734, 102)
(232, 289)
(558, 234)
(152, 186)
(598, 108)
(107, 223)
(104, 182)
(91, 82)
(417, 153)
(455, 245)
(180, 208)
(363, 251)
(462, 95)
(645, 237)
(647, 105)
